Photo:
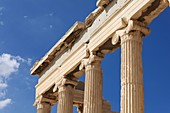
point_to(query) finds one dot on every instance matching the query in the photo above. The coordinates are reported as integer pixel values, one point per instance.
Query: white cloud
(4, 103)
(2, 94)
(8, 65)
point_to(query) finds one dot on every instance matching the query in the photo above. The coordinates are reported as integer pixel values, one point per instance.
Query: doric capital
(131, 27)
(64, 83)
(93, 58)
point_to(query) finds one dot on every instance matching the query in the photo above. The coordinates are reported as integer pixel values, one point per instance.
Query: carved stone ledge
(162, 5)
(66, 41)
(92, 16)
(102, 3)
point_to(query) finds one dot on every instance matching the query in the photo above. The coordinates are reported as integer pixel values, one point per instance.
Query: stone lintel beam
(78, 97)
(133, 25)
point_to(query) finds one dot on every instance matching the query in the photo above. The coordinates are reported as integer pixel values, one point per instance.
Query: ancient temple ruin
(114, 24)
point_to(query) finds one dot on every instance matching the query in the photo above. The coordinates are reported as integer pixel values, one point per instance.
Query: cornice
(69, 37)
(66, 40)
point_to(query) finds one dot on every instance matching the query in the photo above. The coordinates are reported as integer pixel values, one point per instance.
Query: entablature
(82, 38)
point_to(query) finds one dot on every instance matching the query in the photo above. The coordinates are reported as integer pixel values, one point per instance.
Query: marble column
(65, 96)
(132, 88)
(93, 85)
(43, 107)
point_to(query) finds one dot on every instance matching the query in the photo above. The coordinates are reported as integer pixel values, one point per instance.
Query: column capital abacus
(65, 84)
(92, 59)
(43, 100)
(43, 105)
(133, 28)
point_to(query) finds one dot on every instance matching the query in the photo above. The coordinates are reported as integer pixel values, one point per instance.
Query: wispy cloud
(43, 23)
(1, 23)
(51, 14)
(18, 58)
(9, 65)
(51, 26)
(25, 17)
(4, 103)
(3, 86)
(1, 8)
(1, 13)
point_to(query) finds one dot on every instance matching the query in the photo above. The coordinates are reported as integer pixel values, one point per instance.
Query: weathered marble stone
(132, 89)
(93, 85)
(43, 107)
(113, 24)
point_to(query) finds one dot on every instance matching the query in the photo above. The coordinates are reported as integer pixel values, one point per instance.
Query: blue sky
(29, 28)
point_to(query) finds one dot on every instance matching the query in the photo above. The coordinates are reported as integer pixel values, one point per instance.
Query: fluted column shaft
(93, 87)
(65, 99)
(132, 89)
(43, 107)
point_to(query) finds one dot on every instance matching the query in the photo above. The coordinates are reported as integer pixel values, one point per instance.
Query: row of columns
(132, 91)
